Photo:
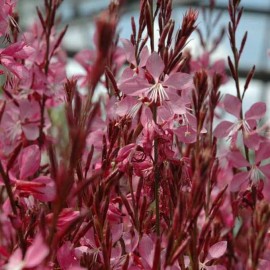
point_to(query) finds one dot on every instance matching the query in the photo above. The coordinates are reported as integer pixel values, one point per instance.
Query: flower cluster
(140, 177)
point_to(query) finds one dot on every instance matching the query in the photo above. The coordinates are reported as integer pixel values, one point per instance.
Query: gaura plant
(149, 175)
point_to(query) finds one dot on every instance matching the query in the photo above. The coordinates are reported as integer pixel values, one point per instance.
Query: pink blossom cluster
(147, 176)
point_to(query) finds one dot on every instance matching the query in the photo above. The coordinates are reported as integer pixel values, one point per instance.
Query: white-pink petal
(237, 159)
(217, 250)
(135, 86)
(232, 105)
(36, 253)
(29, 161)
(223, 129)
(129, 50)
(265, 169)
(263, 152)
(155, 65)
(179, 80)
(256, 111)
(238, 181)
(147, 249)
(144, 56)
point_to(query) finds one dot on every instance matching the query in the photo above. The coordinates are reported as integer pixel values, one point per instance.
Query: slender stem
(135, 208)
(236, 67)
(194, 255)
(9, 189)
(50, 22)
(156, 176)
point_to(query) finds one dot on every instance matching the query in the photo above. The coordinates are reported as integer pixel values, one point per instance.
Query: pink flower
(17, 50)
(187, 131)
(145, 88)
(21, 120)
(6, 12)
(256, 171)
(230, 129)
(149, 84)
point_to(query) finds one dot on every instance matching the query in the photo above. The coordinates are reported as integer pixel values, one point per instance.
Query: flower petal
(179, 80)
(256, 111)
(186, 134)
(36, 253)
(134, 86)
(237, 160)
(238, 180)
(217, 250)
(252, 141)
(232, 105)
(29, 161)
(17, 69)
(129, 50)
(147, 249)
(223, 129)
(31, 131)
(144, 56)
(263, 152)
(155, 65)
(265, 169)
(124, 106)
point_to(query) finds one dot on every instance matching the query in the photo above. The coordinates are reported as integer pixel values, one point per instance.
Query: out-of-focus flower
(35, 254)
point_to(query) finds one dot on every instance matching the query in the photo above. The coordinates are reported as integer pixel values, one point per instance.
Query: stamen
(235, 128)
(246, 127)
(157, 92)
(255, 174)
(133, 111)
(184, 119)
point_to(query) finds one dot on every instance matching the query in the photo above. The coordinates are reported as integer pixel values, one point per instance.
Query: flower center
(255, 174)
(157, 92)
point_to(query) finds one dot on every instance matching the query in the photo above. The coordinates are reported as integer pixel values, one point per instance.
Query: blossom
(19, 50)
(255, 171)
(6, 12)
(145, 88)
(229, 129)
(148, 84)
(187, 131)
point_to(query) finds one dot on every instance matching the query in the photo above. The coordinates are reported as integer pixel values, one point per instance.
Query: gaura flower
(149, 84)
(229, 129)
(255, 170)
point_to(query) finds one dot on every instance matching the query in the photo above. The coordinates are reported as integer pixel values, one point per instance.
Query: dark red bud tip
(106, 26)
